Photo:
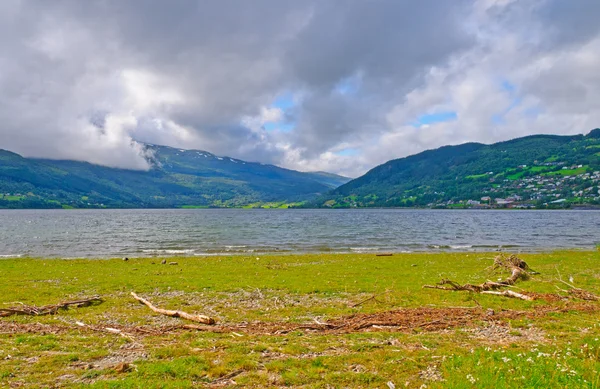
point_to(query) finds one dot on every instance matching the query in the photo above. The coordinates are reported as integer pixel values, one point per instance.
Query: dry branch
(509, 293)
(48, 309)
(228, 376)
(364, 301)
(583, 294)
(519, 270)
(197, 318)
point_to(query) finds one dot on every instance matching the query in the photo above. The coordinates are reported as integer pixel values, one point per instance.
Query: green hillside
(179, 178)
(539, 170)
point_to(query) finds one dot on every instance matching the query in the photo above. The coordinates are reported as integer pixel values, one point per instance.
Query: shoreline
(373, 253)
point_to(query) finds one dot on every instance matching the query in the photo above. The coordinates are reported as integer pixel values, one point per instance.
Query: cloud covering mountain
(311, 85)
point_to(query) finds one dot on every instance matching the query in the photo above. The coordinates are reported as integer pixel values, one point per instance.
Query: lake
(144, 232)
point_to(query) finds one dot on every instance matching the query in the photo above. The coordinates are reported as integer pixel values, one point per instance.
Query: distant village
(558, 188)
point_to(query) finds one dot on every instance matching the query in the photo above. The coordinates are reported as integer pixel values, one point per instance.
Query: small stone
(173, 263)
(413, 265)
(126, 259)
(163, 262)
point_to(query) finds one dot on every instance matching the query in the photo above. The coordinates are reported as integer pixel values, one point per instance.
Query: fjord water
(143, 232)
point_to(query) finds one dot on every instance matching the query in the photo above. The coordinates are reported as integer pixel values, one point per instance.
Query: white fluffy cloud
(313, 85)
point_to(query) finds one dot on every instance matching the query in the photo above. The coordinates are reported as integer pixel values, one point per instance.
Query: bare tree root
(519, 270)
(48, 309)
(197, 318)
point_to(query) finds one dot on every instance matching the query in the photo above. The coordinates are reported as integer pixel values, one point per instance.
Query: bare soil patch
(400, 320)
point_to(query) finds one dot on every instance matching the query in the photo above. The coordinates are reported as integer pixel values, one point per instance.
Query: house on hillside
(503, 202)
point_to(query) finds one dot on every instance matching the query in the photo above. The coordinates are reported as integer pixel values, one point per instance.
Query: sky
(331, 85)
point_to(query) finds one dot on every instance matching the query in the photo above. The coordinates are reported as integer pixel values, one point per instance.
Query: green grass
(567, 172)
(514, 174)
(12, 198)
(558, 350)
(477, 176)
(538, 169)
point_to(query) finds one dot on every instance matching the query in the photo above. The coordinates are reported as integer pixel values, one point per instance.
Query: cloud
(89, 80)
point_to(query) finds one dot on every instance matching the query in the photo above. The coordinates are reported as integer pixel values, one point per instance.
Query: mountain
(178, 178)
(330, 179)
(530, 171)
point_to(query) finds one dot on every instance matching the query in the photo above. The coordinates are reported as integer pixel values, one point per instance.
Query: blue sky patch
(285, 127)
(438, 117)
(508, 86)
(349, 152)
(284, 101)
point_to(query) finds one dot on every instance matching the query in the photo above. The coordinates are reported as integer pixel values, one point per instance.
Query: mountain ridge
(452, 175)
(178, 178)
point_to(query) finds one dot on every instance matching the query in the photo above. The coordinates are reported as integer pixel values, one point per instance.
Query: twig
(364, 301)
(119, 332)
(228, 376)
(197, 318)
(509, 293)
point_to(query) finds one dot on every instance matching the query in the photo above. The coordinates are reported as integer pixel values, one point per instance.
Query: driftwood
(48, 309)
(197, 318)
(509, 293)
(519, 270)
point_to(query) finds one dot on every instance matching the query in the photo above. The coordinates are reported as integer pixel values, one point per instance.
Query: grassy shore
(268, 334)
